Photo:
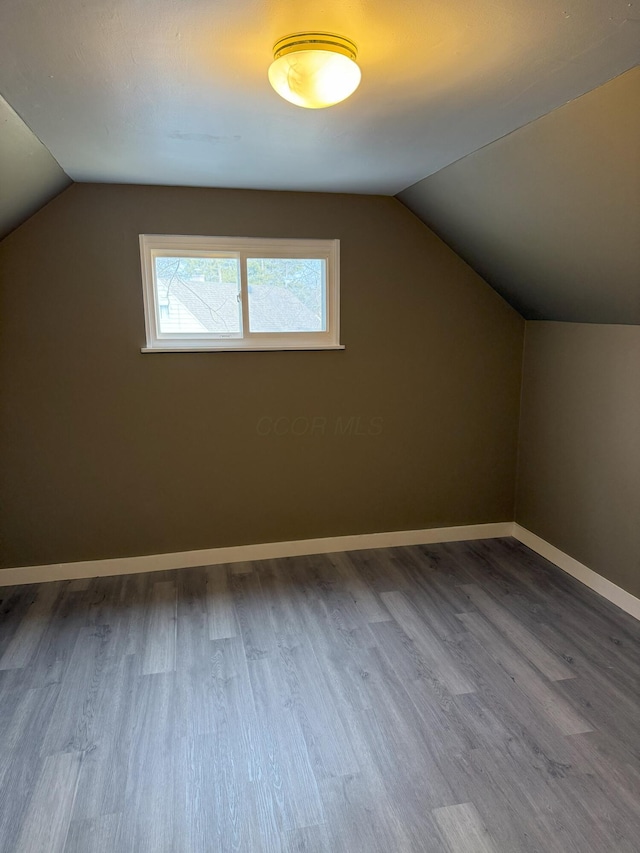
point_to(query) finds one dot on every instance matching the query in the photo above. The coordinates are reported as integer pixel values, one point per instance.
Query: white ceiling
(176, 91)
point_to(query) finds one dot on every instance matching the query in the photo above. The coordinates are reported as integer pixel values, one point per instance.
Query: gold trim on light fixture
(315, 41)
(314, 69)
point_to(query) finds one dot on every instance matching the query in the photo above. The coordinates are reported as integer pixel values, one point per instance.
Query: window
(228, 293)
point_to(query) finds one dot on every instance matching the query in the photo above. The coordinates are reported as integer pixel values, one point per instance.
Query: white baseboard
(244, 553)
(623, 599)
(300, 547)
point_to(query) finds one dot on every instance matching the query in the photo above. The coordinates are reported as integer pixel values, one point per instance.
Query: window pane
(286, 295)
(198, 295)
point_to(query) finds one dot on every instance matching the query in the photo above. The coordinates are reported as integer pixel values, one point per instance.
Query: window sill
(242, 349)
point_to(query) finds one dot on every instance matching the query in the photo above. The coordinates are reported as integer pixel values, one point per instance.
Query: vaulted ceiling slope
(29, 175)
(550, 215)
(176, 92)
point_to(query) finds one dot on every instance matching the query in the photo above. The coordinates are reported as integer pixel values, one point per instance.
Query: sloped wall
(29, 175)
(550, 215)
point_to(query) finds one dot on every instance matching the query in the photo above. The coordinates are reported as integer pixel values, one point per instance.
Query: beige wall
(579, 468)
(108, 452)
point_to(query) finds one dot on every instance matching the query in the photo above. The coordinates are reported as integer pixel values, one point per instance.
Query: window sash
(242, 249)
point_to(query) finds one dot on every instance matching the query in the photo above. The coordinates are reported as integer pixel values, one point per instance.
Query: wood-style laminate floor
(463, 697)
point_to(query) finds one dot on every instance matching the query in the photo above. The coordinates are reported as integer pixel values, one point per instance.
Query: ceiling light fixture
(314, 70)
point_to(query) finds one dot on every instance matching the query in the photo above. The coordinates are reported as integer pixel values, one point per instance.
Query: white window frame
(159, 245)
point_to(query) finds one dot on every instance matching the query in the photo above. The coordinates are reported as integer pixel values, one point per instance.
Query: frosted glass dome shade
(314, 70)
